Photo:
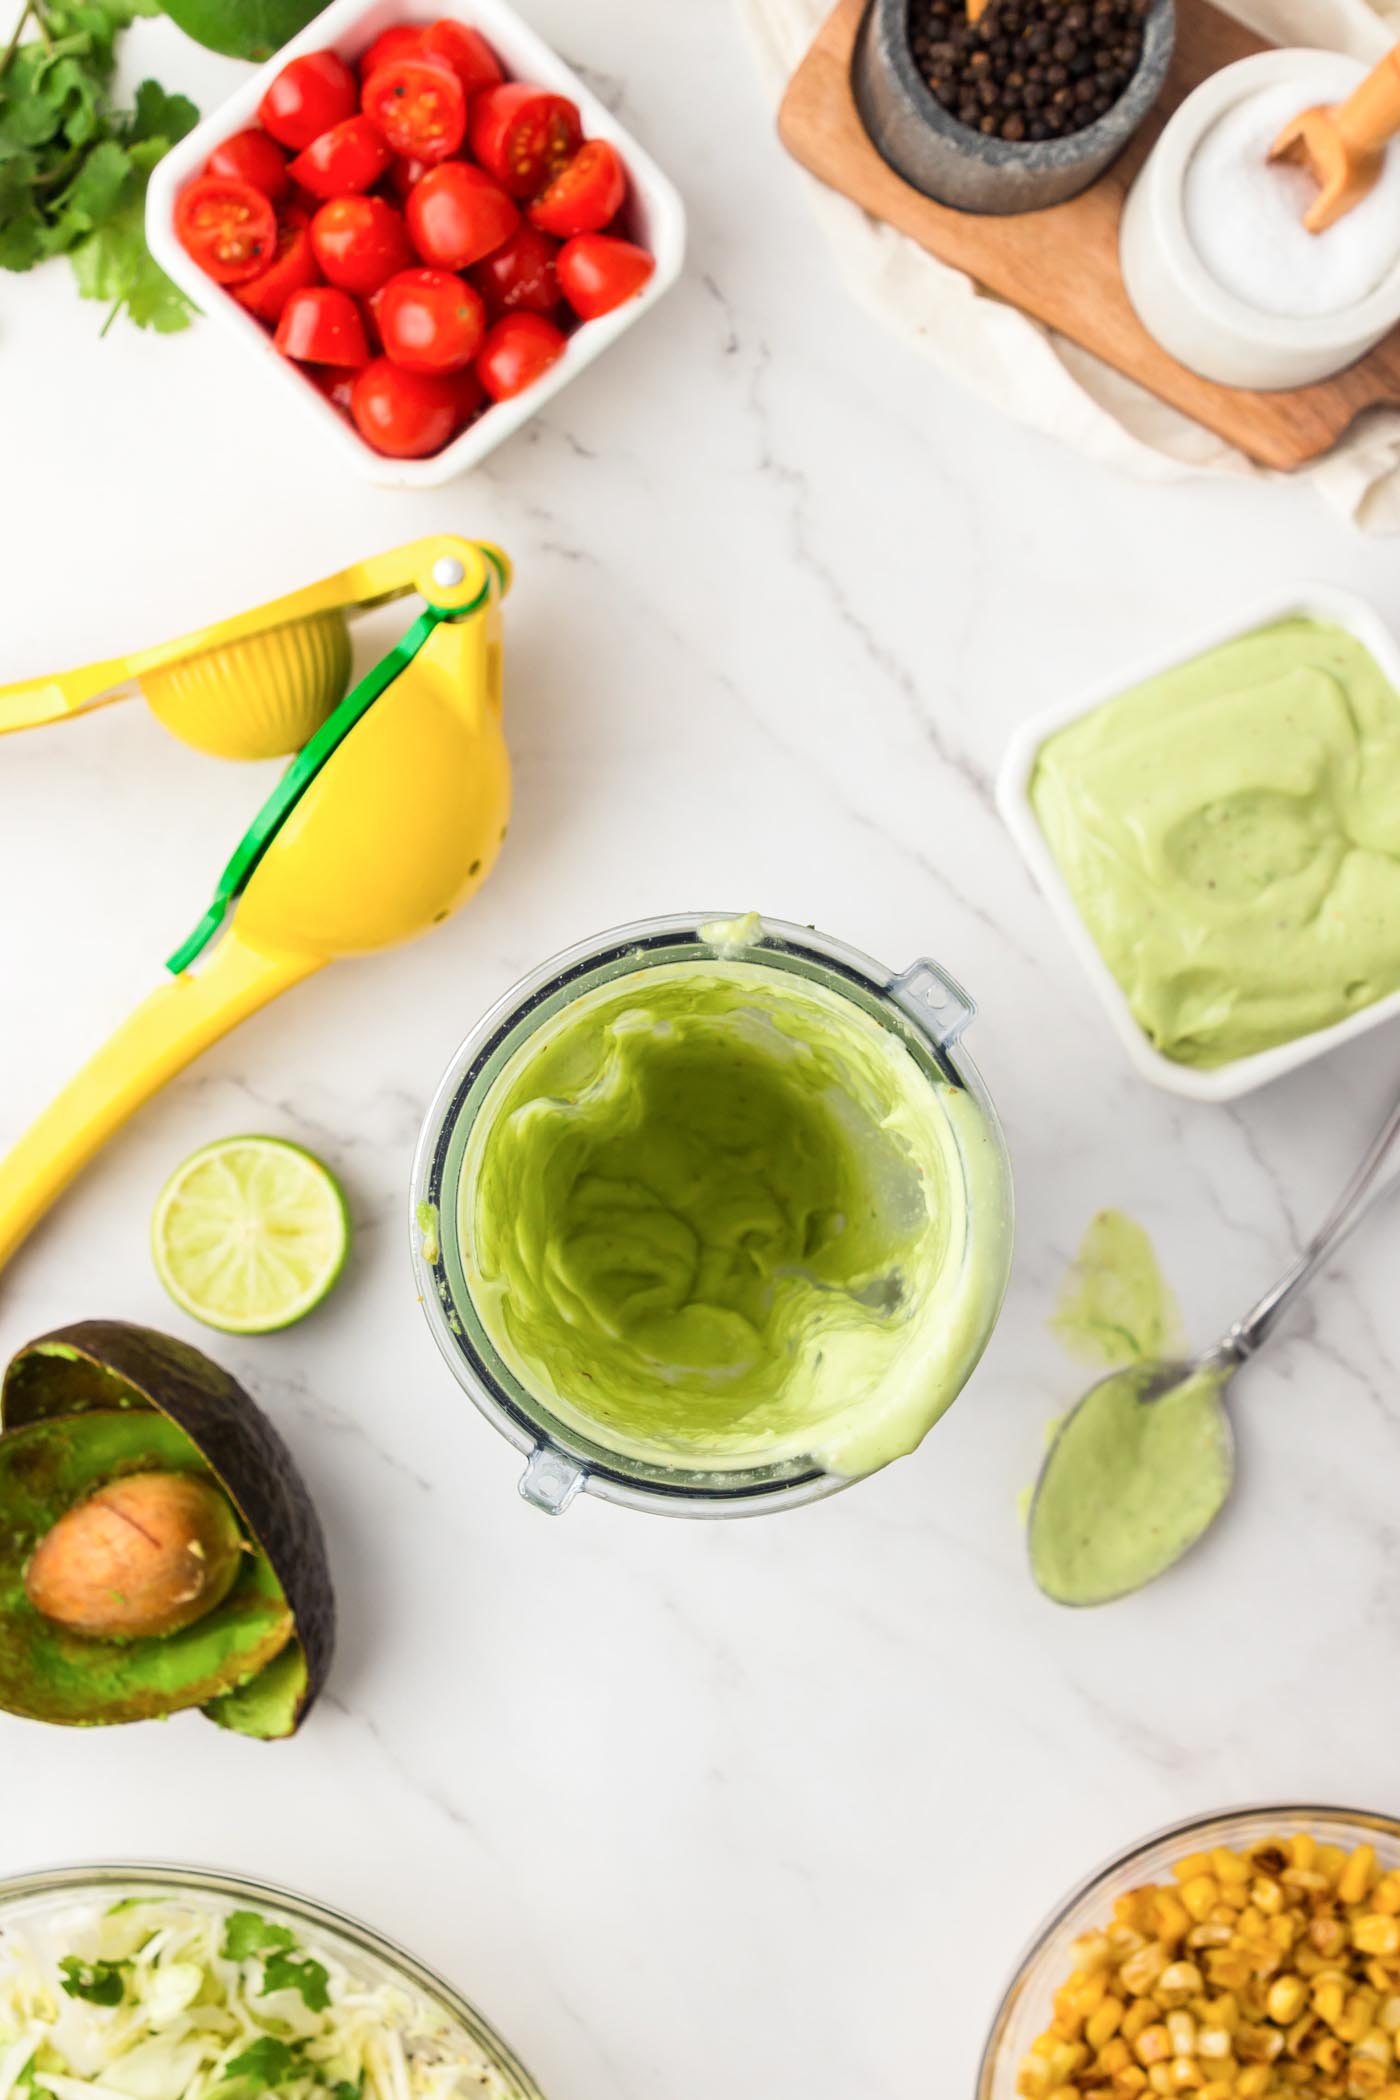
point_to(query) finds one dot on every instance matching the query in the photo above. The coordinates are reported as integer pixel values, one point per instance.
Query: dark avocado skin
(101, 1364)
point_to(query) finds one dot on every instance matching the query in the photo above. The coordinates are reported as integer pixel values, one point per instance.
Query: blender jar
(922, 1008)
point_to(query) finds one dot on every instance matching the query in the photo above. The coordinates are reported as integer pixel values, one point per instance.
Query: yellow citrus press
(388, 819)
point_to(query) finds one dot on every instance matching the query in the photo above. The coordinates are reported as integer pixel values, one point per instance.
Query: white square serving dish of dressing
(1224, 1082)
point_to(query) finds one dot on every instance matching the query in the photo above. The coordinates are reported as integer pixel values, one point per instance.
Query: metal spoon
(1110, 1466)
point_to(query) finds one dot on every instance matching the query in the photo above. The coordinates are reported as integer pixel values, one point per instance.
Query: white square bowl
(349, 27)
(1314, 601)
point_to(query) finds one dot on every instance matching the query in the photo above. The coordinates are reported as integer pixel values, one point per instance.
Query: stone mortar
(958, 166)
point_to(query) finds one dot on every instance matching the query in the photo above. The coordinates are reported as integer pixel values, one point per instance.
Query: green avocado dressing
(1129, 1485)
(1230, 833)
(713, 1215)
(1115, 1306)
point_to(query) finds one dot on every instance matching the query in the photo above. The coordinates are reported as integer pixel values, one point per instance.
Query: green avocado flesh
(717, 1216)
(1230, 833)
(48, 1674)
(270, 1704)
(1129, 1485)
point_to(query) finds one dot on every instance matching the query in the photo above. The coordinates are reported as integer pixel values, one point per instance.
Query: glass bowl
(359, 1946)
(1025, 2008)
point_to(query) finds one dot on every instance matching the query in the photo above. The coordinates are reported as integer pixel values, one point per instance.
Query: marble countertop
(689, 1809)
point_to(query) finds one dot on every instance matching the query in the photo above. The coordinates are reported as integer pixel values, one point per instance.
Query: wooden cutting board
(1061, 265)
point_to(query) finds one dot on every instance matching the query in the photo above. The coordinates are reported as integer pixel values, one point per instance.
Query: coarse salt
(1244, 216)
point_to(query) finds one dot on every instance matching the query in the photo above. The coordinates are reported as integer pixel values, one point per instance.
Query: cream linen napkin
(1035, 375)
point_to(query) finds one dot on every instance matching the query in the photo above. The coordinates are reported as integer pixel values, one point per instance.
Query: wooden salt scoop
(1342, 143)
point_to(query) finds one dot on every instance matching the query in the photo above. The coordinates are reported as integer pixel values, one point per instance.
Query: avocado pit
(141, 1558)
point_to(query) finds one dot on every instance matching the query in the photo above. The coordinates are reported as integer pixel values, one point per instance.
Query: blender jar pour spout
(551, 1480)
(935, 1000)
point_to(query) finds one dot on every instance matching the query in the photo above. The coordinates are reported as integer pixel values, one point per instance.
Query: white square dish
(1225, 1082)
(349, 27)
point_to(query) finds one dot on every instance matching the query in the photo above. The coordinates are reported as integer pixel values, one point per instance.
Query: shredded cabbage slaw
(171, 1998)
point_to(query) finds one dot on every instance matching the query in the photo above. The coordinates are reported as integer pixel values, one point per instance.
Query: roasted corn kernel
(1269, 1972)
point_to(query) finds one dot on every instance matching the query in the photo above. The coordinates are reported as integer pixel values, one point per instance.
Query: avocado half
(89, 1403)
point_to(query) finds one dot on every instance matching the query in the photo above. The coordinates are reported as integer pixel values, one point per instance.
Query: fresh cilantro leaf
(268, 2061)
(73, 169)
(96, 190)
(248, 1932)
(99, 1982)
(283, 1972)
(346, 2089)
(113, 264)
(22, 234)
(158, 115)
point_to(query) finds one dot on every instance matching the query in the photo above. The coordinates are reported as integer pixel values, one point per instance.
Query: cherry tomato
(456, 215)
(360, 242)
(419, 106)
(411, 414)
(322, 326)
(523, 135)
(251, 156)
(307, 97)
(515, 353)
(466, 51)
(390, 46)
(585, 197)
(292, 269)
(227, 226)
(403, 174)
(350, 156)
(429, 321)
(336, 385)
(597, 273)
(519, 274)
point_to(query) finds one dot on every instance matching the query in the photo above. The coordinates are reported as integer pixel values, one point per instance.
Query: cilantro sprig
(99, 1982)
(73, 170)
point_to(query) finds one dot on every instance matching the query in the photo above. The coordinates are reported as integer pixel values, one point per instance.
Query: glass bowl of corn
(1238, 1956)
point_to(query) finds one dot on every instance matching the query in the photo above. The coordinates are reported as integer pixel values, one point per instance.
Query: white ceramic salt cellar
(1204, 325)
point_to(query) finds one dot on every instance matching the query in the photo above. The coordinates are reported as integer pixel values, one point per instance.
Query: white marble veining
(750, 1808)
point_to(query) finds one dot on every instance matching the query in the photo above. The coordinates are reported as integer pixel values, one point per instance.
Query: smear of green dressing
(1129, 1485)
(1115, 1305)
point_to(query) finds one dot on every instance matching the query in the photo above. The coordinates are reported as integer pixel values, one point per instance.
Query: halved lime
(250, 1234)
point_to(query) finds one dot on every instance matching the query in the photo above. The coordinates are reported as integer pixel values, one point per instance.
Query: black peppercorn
(1028, 70)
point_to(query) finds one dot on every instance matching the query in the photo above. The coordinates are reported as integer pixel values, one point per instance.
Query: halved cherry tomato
(360, 242)
(322, 326)
(456, 215)
(515, 353)
(597, 273)
(251, 156)
(351, 156)
(307, 97)
(292, 269)
(519, 274)
(389, 46)
(585, 196)
(419, 105)
(429, 321)
(523, 135)
(466, 51)
(408, 415)
(227, 226)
